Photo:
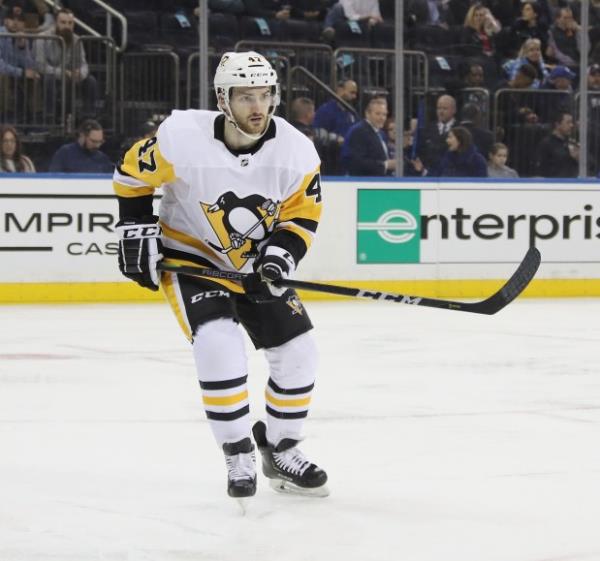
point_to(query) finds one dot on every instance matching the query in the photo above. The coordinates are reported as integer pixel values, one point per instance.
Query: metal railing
(522, 118)
(110, 14)
(151, 89)
(373, 70)
(97, 98)
(315, 57)
(593, 131)
(33, 89)
(480, 97)
(317, 90)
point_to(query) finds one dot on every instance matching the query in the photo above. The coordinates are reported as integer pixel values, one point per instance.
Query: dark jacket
(469, 163)
(363, 152)
(72, 158)
(431, 145)
(483, 139)
(554, 158)
(332, 117)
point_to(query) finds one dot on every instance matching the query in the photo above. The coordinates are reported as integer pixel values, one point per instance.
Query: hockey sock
(289, 389)
(221, 367)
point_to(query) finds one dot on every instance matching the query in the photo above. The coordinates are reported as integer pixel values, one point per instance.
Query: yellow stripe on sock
(302, 402)
(226, 400)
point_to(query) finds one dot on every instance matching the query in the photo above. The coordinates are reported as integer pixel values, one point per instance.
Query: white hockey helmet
(247, 69)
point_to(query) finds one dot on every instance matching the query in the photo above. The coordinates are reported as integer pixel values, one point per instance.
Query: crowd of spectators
(529, 51)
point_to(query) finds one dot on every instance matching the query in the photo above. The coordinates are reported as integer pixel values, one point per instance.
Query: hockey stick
(511, 289)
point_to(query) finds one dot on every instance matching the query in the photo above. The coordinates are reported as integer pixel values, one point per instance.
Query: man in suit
(432, 138)
(364, 151)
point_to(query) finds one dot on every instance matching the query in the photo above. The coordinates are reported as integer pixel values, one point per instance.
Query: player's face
(250, 108)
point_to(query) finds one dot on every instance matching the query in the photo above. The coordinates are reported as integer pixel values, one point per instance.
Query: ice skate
(241, 471)
(286, 467)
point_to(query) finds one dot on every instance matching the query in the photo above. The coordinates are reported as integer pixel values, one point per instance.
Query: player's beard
(251, 126)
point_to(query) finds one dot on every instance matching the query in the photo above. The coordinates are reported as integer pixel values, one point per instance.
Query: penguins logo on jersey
(240, 224)
(294, 302)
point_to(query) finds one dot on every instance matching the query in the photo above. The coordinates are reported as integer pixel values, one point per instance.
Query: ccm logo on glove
(130, 232)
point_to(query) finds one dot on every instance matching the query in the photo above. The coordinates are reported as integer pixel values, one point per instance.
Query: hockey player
(241, 192)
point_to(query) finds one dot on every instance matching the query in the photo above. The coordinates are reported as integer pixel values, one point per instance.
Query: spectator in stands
(530, 53)
(302, 116)
(12, 159)
(37, 15)
(497, 162)
(431, 143)
(529, 26)
(559, 80)
(83, 155)
(471, 120)
(16, 59)
(474, 88)
(364, 151)
(48, 55)
(519, 107)
(594, 77)
(480, 26)
(389, 135)
(564, 39)
(594, 120)
(412, 165)
(353, 11)
(429, 12)
(17, 72)
(558, 155)
(474, 77)
(462, 159)
(334, 117)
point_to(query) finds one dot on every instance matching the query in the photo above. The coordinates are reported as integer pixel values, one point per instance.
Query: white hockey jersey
(219, 206)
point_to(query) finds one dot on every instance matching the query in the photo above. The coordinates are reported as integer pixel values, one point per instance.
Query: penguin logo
(294, 302)
(240, 224)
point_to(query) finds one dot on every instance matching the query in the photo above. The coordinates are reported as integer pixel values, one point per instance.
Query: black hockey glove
(274, 263)
(140, 249)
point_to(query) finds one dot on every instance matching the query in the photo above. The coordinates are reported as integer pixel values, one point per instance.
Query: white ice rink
(447, 437)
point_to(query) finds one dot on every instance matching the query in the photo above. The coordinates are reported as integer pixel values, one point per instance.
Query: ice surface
(447, 437)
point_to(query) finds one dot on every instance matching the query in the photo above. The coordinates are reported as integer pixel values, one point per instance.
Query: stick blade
(517, 283)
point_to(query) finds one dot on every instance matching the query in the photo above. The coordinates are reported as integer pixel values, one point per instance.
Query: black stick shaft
(509, 291)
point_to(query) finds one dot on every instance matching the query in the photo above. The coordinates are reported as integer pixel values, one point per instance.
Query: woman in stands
(12, 160)
(529, 26)
(462, 158)
(530, 53)
(479, 28)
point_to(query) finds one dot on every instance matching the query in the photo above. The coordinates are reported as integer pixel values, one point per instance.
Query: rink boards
(445, 239)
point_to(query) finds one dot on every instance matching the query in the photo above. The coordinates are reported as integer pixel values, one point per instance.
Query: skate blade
(288, 488)
(243, 503)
